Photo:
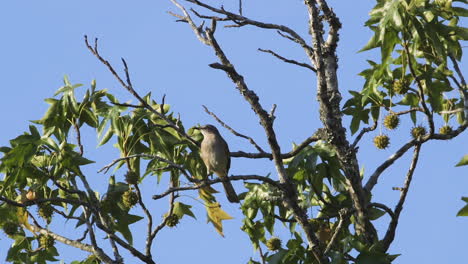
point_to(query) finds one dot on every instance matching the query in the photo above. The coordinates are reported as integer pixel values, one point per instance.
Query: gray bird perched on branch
(214, 152)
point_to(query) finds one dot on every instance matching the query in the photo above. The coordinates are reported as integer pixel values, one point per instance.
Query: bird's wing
(228, 156)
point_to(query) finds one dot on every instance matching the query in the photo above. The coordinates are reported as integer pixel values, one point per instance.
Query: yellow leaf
(206, 194)
(216, 215)
(23, 218)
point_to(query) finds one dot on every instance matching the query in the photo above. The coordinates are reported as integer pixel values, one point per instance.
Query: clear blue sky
(43, 40)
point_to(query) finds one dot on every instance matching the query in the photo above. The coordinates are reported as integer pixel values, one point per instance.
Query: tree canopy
(316, 206)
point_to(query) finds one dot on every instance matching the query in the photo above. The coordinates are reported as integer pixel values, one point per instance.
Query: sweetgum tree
(417, 77)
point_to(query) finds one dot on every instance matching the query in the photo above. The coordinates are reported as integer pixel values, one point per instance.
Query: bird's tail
(230, 192)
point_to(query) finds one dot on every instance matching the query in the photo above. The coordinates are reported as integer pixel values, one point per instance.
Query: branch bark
(390, 234)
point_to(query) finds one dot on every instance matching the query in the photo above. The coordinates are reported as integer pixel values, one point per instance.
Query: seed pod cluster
(46, 211)
(391, 121)
(418, 131)
(129, 199)
(381, 141)
(445, 130)
(46, 241)
(273, 244)
(172, 220)
(400, 86)
(131, 177)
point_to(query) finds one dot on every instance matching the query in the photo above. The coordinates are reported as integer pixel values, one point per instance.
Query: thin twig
(363, 131)
(78, 138)
(262, 256)
(233, 131)
(240, 19)
(390, 234)
(292, 153)
(301, 64)
(343, 214)
(171, 164)
(427, 112)
(380, 169)
(240, 7)
(218, 180)
(166, 218)
(452, 111)
(128, 86)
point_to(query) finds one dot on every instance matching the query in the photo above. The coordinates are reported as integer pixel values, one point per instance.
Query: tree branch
(380, 169)
(129, 87)
(363, 131)
(292, 153)
(390, 234)
(329, 99)
(240, 19)
(301, 64)
(218, 180)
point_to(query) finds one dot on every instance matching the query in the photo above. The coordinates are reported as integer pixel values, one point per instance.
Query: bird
(214, 152)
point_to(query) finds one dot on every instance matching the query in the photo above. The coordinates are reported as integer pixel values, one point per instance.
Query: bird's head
(208, 130)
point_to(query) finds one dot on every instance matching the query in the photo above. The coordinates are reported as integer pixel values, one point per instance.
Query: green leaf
(375, 213)
(181, 209)
(277, 258)
(463, 211)
(372, 258)
(463, 161)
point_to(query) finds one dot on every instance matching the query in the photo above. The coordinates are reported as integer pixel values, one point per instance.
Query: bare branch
(334, 24)
(197, 30)
(149, 216)
(301, 64)
(427, 112)
(41, 201)
(292, 153)
(390, 234)
(233, 131)
(380, 169)
(125, 245)
(343, 214)
(262, 256)
(166, 218)
(128, 86)
(458, 71)
(240, 7)
(218, 180)
(363, 131)
(78, 138)
(242, 20)
(329, 98)
(452, 111)
(414, 109)
(464, 88)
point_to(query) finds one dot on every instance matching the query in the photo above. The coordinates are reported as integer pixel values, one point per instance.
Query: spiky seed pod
(418, 132)
(172, 220)
(391, 121)
(273, 244)
(400, 86)
(46, 211)
(445, 130)
(129, 198)
(131, 177)
(46, 241)
(10, 228)
(381, 141)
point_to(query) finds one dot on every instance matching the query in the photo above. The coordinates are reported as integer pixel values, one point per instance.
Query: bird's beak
(197, 128)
